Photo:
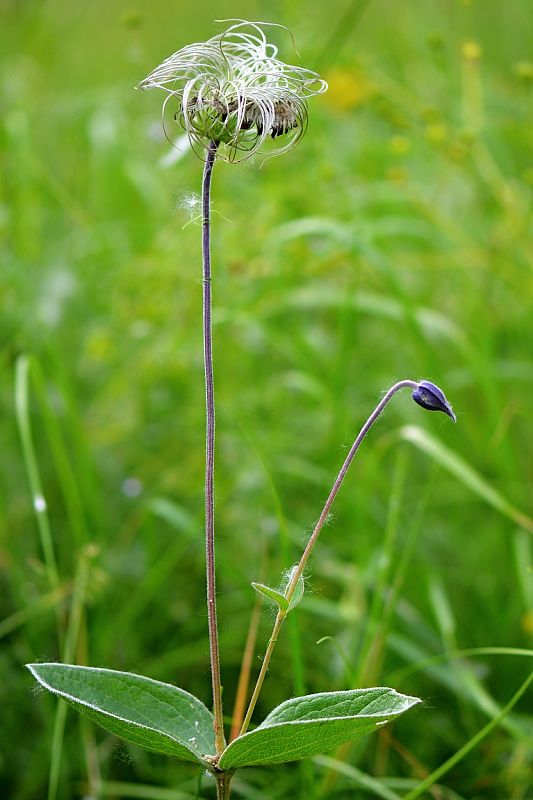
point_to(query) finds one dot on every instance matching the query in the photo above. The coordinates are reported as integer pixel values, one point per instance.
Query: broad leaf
(271, 594)
(153, 715)
(316, 723)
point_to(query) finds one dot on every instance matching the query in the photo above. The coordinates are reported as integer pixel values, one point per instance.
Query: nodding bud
(432, 398)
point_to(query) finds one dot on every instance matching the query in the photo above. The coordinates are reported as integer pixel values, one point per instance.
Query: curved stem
(280, 618)
(218, 722)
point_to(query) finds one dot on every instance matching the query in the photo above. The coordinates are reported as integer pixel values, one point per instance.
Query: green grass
(393, 242)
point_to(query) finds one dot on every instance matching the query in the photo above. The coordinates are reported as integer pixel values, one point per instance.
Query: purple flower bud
(432, 398)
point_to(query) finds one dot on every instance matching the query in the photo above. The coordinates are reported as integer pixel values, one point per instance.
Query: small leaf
(272, 594)
(151, 714)
(316, 723)
(299, 590)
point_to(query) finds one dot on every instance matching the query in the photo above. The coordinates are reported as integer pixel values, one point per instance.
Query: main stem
(280, 618)
(223, 780)
(218, 722)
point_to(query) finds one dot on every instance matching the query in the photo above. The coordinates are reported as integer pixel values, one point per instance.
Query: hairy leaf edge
(414, 701)
(34, 667)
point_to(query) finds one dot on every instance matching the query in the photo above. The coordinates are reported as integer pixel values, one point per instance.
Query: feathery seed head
(234, 90)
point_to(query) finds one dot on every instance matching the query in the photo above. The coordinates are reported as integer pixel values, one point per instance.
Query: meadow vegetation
(392, 243)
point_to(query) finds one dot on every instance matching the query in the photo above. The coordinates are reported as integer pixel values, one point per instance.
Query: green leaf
(316, 723)
(280, 597)
(272, 594)
(151, 714)
(298, 591)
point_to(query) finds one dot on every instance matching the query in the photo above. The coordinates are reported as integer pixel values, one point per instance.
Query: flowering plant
(233, 93)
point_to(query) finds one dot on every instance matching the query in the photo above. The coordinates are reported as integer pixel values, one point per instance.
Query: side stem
(280, 618)
(218, 723)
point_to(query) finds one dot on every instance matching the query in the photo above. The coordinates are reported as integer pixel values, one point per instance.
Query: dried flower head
(233, 90)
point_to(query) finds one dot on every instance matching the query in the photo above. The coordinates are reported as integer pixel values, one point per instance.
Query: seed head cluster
(233, 90)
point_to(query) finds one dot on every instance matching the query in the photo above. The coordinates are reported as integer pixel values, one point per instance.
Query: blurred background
(391, 243)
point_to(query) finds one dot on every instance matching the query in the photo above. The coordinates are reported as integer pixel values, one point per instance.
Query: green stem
(76, 610)
(280, 618)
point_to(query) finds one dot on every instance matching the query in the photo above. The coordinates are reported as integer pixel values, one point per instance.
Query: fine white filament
(233, 89)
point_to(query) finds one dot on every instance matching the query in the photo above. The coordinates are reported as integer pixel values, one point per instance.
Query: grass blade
(470, 745)
(360, 779)
(32, 469)
(464, 473)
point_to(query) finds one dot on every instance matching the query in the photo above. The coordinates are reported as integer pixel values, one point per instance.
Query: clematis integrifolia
(233, 90)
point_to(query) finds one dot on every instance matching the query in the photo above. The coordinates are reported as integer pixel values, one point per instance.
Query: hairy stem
(280, 618)
(218, 723)
(223, 780)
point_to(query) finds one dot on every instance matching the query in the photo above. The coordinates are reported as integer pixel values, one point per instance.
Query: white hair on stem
(233, 90)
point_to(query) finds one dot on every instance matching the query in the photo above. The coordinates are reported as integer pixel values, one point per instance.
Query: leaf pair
(168, 720)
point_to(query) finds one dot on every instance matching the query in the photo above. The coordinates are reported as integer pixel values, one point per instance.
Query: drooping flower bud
(432, 398)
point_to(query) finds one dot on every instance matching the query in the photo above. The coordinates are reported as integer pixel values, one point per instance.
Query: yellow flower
(348, 89)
